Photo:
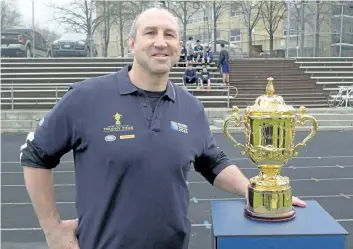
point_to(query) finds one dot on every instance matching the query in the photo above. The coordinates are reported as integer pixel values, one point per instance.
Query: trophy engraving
(270, 132)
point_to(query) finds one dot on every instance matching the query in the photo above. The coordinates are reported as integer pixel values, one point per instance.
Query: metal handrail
(11, 88)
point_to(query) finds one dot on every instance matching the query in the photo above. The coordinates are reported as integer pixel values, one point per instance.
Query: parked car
(72, 45)
(18, 42)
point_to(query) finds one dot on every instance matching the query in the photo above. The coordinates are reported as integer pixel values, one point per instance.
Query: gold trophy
(270, 131)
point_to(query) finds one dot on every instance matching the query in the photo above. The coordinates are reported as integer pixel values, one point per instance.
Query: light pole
(33, 42)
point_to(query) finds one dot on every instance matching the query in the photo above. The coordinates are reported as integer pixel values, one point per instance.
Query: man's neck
(147, 81)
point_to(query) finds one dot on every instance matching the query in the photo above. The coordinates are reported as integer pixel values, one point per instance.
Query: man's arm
(39, 184)
(57, 133)
(232, 180)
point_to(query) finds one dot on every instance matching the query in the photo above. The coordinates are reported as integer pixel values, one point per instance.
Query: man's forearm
(39, 184)
(232, 180)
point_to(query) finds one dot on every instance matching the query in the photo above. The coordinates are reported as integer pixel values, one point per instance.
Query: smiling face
(156, 46)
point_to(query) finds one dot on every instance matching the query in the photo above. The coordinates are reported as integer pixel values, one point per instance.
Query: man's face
(157, 46)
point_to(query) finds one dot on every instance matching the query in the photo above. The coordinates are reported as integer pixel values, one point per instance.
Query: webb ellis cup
(269, 134)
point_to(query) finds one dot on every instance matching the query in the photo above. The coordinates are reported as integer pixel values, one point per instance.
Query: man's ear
(131, 44)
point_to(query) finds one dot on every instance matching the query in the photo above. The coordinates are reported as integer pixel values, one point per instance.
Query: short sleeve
(56, 134)
(212, 159)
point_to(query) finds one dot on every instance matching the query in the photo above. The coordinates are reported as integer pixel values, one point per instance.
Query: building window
(235, 35)
(236, 10)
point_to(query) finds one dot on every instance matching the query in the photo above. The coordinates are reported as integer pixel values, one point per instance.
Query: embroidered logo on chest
(179, 127)
(118, 126)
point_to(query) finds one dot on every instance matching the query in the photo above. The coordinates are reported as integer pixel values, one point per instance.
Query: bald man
(135, 136)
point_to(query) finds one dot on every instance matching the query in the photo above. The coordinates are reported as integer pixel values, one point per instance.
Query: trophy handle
(314, 128)
(235, 117)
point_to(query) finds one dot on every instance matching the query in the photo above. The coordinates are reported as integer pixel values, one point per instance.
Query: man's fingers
(297, 202)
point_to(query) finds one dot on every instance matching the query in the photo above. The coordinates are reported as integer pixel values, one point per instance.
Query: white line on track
(232, 159)
(197, 182)
(292, 180)
(207, 225)
(255, 168)
(284, 167)
(205, 199)
(17, 162)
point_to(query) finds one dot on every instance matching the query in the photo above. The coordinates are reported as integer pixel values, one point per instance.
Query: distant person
(205, 77)
(182, 57)
(224, 63)
(189, 51)
(208, 58)
(198, 50)
(190, 75)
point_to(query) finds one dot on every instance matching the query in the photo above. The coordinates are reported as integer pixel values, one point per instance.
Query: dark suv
(18, 42)
(71, 44)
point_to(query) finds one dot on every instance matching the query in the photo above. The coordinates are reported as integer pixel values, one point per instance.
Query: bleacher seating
(40, 83)
(296, 87)
(328, 72)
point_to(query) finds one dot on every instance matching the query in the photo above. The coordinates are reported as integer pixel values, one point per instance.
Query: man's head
(154, 40)
(222, 45)
(198, 42)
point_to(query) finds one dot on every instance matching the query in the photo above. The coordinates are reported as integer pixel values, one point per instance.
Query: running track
(323, 171)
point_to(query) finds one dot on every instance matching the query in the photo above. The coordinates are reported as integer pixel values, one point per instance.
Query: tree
(251, 11)
(106, 11)
(78, 14)
(124, 16)
(218, 7)
(322, 13)
(309, 14)
(272, 13)
(184, 10)
(10, 16)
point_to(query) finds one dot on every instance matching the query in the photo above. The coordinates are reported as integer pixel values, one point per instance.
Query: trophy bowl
(269, 143)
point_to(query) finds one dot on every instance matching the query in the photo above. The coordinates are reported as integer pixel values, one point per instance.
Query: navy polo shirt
(131, 163)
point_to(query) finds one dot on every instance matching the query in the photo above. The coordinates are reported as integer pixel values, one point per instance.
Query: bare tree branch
(272, 13)
(251, 11)
(184, 10)
(10, 16)
(219, 7)
(78, 14)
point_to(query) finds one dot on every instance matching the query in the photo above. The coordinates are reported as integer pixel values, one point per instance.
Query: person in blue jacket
(135, 136)
(224, 63)
(190, 75)
(208, 58)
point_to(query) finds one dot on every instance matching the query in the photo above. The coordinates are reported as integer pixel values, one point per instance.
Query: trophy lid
(269, 103)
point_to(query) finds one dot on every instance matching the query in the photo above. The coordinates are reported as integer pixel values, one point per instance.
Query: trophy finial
(270, 90)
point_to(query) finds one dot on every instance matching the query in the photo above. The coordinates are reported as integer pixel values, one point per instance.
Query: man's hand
(63, 236)
(297, 202)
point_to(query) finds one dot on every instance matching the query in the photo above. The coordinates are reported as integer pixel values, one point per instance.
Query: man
(190, 75)
(135, 136)
(224, 63)
(205, 77)
(198, 50)
(182, 56)
(208, 55)
(189, 51)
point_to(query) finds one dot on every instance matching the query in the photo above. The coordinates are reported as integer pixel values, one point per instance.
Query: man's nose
(159, 41)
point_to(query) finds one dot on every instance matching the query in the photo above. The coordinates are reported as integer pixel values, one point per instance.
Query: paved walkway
(323, 171)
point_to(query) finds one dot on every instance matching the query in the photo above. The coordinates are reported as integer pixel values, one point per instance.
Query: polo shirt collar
(127, 87)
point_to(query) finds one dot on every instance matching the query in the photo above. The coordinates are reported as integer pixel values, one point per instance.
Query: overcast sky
(42, 13)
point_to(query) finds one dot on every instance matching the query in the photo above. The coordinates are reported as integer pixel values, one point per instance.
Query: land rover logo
(110, 138)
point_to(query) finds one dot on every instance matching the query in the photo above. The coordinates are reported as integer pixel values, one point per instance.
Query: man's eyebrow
(153, 27)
